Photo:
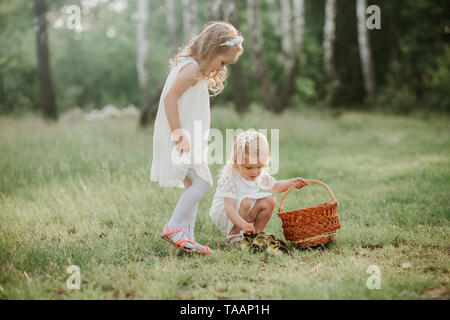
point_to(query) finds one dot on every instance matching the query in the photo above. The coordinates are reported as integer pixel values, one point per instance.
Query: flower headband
(233, 42)
(246, 138)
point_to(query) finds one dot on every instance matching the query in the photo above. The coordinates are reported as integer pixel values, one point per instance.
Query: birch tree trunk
(274, 15)
(287, 45)
(2, 93)
(238, 79)
(190, 14)
(365, 52)
(172, 23)
(286, 88)
(142, 51)
(46, 93)
(190, 28)
(230, 12)
(227, 11)
(299, 24)
(329, 34)
(215, 9)
(277, 98)
(259, 65)
(149, 112)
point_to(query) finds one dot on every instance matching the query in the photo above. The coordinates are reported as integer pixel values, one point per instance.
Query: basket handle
(280, 209)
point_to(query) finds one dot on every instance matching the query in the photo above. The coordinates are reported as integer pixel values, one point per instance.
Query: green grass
(78, 193)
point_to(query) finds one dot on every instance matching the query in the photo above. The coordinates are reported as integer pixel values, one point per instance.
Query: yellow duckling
(270, 237)
(284, 247)
(273, 248)
(277, 247)
(247, 241)
(259, 243)
(249, 235)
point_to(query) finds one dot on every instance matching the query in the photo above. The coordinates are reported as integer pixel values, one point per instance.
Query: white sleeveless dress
(168, 168)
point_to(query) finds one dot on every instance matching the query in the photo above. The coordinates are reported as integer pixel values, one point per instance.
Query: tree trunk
(46, 93)
(149, 112)
(142, 52)
(190, 16)
(172, 23)
(227, 11)
(329, 34)
(2, 94)
(256, 52)
(237, 74)
(291, 52)
(364, 50)
(286, 89)
(274, 15)
(230, 10)
(287, 45)
(215, 10)
(299, 24)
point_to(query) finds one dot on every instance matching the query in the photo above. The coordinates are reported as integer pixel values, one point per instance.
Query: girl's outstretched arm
(283, 185)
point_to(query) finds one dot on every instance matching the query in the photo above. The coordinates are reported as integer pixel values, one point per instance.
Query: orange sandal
(180, 243)
(205, 251)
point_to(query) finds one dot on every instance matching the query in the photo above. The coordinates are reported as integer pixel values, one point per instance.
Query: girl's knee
(202, 185)
(245, 204)
(194, 179)
(270, 201)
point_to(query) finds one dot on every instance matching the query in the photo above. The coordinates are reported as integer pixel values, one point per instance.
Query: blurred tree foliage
(97, 66)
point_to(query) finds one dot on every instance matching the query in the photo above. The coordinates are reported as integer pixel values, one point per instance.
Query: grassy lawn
(78, 193)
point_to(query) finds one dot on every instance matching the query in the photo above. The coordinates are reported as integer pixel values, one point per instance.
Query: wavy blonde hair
(205, 47)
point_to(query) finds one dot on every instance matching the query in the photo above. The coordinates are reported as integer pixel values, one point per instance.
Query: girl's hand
(248, 228)
(299, 183)
(183, 145)
(181, 141)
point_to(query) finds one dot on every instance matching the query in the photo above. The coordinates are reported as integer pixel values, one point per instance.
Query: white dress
(233, 185)
(168, 168)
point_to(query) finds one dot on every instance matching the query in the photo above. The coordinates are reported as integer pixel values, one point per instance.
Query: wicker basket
(310, 226)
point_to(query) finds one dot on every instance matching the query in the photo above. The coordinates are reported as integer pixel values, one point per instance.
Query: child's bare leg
(244, 212)
(259, 215)
(265, 207)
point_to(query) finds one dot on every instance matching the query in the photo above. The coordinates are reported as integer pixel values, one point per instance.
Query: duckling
(247, 241)
(284, 247)
(273, 248)
(249, 235)
(259, 243)
(270, 237)
(277, 247)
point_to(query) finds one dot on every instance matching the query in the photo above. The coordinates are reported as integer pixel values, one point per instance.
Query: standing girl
(184, 111)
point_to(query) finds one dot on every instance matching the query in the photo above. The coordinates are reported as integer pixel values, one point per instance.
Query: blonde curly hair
(250, 143)
(206, 46)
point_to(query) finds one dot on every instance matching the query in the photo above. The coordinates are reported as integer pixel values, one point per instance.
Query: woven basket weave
(310, 226)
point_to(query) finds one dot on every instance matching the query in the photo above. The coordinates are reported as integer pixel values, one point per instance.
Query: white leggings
(186, 209)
